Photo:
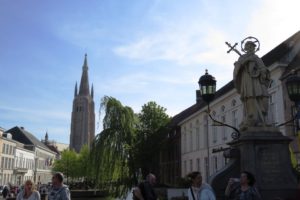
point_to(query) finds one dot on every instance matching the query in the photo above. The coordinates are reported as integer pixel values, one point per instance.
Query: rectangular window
(8, 165)
(191, 137)
(197, 138)
(198, 165)
(224, 135)
(234, 118)
(214, 134)
(4, 178)
(184, 142)
(10, 150)
(16, 162)
(205, 136)
(215, 163)
(185, 168)
(191, 140)
(5, 163)
(206, 168)
(191, 165)
(2, 162)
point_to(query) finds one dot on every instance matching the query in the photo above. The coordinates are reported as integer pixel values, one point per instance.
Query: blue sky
(138, 51)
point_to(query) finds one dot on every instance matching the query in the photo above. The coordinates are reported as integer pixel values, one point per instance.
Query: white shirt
(35, 195)
(195, 192)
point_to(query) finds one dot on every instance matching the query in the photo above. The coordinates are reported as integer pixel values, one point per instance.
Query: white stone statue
(251, 78)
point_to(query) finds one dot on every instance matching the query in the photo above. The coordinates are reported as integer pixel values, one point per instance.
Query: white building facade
(24, 157)
(24, 164)
(44, 159)
(7, 160)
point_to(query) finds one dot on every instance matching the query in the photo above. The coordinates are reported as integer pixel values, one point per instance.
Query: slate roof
(275, 55)
(21, 135)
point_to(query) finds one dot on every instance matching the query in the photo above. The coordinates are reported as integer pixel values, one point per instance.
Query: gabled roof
(275, 55)
(53, 148)
(281, 50)
(21, 135)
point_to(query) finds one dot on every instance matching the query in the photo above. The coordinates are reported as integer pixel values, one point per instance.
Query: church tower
(83, 113)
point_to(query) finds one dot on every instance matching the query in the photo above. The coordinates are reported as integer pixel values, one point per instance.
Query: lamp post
(207, 85)
(293, 88)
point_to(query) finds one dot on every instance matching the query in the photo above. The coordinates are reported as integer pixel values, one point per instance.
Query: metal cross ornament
(232, 48)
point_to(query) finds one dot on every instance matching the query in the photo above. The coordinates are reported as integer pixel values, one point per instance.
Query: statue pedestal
(265, 153)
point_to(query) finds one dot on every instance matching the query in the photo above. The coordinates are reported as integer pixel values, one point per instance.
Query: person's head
(249, 46)
(151, 178)
(28, 186)
(196, 178)
(247, 178)
(57, 179)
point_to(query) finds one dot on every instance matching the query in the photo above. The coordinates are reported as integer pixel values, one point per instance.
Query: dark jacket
(5, 191)
(147, 191)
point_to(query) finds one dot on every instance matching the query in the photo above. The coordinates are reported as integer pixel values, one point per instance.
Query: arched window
(233, 102)
(222, 108)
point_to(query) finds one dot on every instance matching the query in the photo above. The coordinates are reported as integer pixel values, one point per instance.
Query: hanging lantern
(293, 88)
(207, 84)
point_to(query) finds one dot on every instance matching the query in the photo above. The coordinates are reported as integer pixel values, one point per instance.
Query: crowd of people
(242, 188)
(57, 191)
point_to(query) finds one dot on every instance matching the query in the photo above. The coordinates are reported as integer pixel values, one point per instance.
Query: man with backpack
(145, 190)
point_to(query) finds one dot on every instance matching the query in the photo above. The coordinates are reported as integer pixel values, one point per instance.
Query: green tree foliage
(111, 151)
(68, 164)
(128, 142)
(85, 171)
(152, 129)
(75, 166)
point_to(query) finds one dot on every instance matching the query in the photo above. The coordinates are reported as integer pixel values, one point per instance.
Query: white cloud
(273, 22)
(180, 43)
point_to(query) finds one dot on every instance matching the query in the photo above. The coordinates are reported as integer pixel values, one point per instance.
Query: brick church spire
(83, 113)
(84, 83)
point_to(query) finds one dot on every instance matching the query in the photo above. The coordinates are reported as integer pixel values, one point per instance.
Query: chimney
(198, 96)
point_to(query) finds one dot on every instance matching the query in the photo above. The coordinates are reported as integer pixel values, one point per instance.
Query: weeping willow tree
(111, 152)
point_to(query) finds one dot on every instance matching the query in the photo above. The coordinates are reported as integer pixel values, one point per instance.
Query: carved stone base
(265, 153)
